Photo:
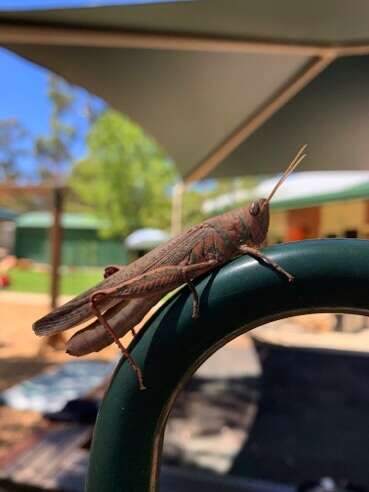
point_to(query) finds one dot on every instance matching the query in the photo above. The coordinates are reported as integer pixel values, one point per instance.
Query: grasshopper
(128, 292)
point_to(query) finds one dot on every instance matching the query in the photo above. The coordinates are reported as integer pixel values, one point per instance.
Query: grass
(72, 282)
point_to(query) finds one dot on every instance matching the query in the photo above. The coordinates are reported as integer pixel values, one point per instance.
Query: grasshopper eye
(254, 208)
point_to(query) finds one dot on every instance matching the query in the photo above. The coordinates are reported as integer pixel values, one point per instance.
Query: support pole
(177, 208)
(55, 243)
(55, 341)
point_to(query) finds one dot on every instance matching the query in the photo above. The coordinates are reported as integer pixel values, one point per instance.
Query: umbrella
(145, 239)
(227, 87)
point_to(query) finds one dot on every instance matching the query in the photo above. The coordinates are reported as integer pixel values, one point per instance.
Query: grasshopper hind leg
(112, 333)
(108, 272)
(160, 280)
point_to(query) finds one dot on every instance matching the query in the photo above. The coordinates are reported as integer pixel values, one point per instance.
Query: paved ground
(213, 415)
(20, 358)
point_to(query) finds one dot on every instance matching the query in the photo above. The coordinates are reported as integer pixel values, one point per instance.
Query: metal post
(55, 341)
(55, 244)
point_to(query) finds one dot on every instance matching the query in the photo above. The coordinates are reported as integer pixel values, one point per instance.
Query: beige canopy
(227, 87)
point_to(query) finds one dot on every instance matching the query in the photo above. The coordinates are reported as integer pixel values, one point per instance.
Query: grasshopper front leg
(161, 280)
(255, 253)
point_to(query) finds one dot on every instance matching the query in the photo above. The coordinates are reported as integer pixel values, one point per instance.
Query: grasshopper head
(258, 212)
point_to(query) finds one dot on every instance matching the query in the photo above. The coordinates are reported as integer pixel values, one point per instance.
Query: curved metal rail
(330, 275)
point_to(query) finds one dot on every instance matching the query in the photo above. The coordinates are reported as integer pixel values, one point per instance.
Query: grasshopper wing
(71, 314)
(78, 310)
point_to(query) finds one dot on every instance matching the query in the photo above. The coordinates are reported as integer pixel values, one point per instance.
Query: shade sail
(224, 86)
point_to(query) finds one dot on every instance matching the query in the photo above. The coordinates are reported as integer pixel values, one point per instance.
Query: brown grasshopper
(129, 291)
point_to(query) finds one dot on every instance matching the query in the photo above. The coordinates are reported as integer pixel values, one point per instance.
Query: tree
(12, 147)
(125, 178)
(53, 151)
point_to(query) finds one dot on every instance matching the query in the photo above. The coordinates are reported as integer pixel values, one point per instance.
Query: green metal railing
(330, 275)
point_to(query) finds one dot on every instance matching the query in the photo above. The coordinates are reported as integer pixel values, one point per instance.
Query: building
(328, 212)
(309, 205)
(81, 242)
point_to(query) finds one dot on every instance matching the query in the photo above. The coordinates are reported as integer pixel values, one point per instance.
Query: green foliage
(12, 148)
(125, 177)
(191, 209)
(53, 151)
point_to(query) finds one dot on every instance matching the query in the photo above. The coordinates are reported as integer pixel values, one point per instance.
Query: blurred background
(136, 144)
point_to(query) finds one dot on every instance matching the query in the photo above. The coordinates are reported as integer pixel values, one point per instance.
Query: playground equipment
(331, 275)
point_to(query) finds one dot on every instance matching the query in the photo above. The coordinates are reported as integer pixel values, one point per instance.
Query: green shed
(81, 244)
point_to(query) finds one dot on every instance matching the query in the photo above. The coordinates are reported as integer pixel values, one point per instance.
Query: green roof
(360, 191)
(69, 220)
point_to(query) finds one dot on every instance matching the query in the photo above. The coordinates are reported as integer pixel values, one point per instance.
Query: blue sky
(23, 89)
(23, 92)
(34, 4)
(23, 85)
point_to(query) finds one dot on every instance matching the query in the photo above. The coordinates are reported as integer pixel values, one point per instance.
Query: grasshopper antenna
(290, 168)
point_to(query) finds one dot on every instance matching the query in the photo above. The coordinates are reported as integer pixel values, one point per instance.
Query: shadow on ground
(15, 369)
(306, 417)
